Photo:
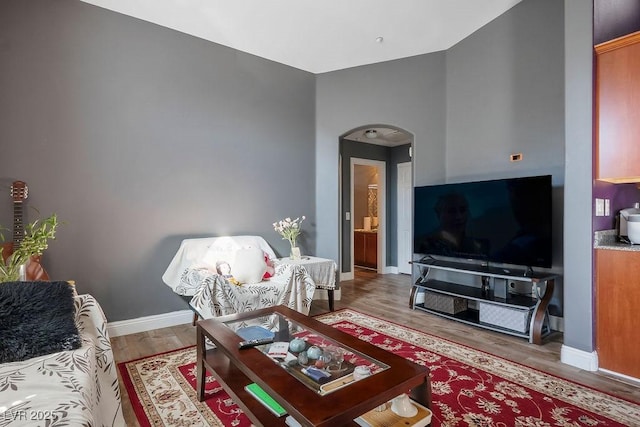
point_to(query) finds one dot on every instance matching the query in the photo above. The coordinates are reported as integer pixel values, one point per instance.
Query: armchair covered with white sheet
(234, 274)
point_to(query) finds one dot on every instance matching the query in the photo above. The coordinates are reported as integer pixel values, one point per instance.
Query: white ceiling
(322, 35)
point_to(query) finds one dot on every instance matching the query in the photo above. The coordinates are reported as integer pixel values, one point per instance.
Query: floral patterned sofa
(75, 387)
(195, 272)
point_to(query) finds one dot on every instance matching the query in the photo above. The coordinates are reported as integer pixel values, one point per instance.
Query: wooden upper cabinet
(618, 109)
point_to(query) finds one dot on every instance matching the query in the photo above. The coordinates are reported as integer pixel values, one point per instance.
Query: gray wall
(578, 236)
(407, 93)
(139, 136)
(615, 18)
(505, 94)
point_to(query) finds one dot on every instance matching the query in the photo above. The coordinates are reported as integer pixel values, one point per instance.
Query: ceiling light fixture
(370, 133)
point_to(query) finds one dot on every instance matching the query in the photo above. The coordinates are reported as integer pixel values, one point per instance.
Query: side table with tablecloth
(321, 270)
(193, 275)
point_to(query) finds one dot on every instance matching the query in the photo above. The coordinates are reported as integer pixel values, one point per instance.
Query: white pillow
(212, 259)
(249, 265)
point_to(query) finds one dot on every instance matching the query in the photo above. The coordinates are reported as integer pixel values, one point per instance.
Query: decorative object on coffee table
(361, 372)
(402, 406)
(290, 229)
(297, 345)
(384, 416)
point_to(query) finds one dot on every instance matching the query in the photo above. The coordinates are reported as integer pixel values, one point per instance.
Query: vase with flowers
(290, 229)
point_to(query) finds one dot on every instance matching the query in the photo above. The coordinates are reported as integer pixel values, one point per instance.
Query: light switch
(347, 216)
(607, 207)
(599, 207)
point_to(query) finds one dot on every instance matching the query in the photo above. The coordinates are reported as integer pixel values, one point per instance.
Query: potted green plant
(35, 241)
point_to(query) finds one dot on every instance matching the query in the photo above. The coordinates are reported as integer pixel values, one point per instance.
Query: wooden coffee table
(235, 368)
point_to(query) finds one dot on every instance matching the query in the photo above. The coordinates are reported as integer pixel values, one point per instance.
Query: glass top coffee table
(320, 375)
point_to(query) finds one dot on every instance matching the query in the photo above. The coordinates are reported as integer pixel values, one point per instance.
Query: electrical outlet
(599, 207)
(607, 207)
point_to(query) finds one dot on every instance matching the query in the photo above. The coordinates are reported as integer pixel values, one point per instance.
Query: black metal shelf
(517, 274)
(533, 305)
(472, 317)
(473, 293)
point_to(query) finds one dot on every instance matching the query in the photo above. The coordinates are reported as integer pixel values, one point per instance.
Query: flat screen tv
(501, 221)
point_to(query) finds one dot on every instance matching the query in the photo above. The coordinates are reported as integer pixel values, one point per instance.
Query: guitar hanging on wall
(34, 270)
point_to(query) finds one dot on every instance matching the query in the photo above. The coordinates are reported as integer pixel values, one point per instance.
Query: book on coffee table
(263, 397)
(250, 333)
(291, 422)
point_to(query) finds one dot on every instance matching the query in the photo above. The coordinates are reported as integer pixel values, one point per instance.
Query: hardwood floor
(387, 297)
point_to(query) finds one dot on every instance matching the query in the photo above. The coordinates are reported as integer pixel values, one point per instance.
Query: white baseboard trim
(579, 358)
(622, 376)
(349, 275)
(556, 323)
(148, 323)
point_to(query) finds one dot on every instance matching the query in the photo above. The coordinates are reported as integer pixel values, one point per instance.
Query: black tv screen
(502, 221)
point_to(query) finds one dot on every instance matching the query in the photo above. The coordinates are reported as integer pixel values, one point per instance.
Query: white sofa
(192, 272)
(72, 388)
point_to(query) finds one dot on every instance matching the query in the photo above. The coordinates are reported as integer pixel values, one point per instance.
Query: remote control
(253, 343)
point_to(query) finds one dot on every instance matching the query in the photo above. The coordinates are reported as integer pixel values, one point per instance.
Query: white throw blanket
(71, 388)
(291, 286)
(214, 295)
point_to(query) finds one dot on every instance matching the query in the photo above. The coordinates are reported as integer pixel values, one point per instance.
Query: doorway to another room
(368, 208)
(376, 193)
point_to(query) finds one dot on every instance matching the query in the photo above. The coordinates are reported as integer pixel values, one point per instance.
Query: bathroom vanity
(365, 248)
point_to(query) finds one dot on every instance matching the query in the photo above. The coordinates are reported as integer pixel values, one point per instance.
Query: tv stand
(495, 305)
(529, 271)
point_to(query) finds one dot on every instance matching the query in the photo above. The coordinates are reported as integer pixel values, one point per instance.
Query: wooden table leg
(331, 306)
(422, 393)
(200, 369)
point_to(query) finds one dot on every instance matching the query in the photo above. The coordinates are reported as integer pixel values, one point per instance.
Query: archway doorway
(386, 150)
(368, 214)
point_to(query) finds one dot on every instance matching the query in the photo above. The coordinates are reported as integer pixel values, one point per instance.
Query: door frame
(399, 225)
(381, 167)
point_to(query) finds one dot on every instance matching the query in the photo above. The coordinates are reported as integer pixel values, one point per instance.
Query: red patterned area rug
(469, 388)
